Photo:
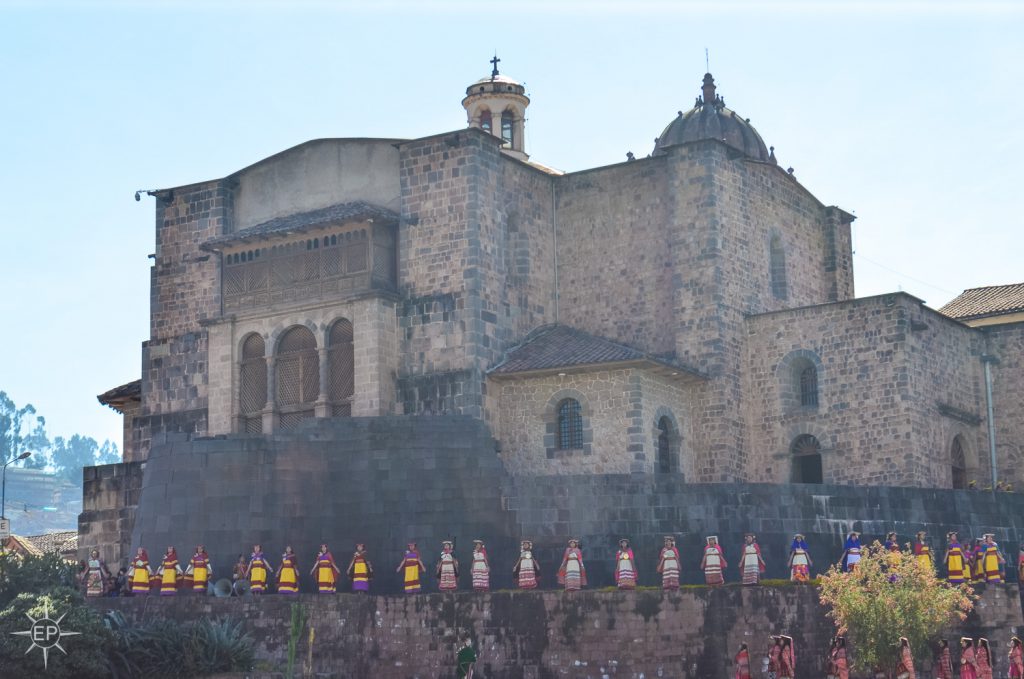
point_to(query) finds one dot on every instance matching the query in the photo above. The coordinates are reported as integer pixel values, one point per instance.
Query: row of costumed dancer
(979, 562)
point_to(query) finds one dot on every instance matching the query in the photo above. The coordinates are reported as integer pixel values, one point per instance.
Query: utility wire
(903, 275)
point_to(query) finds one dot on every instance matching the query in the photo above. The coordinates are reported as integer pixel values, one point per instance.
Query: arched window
(807, 378)
(806, 452)
(485, 120)
(777, 268)
(297, 376)
(252, 388)
(958, 460)
(666, 463)
(507, 128)
(341, 368)
(570, 425)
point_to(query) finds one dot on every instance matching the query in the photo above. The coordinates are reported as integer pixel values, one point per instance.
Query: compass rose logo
(45, 633)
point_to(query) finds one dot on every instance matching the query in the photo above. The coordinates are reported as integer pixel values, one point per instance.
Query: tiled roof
(994, 300)
(64, 542)
(118, 396)
(335, 214)
(558, 346)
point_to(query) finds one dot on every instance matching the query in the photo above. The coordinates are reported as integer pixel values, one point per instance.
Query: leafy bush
(32, 574)
(86, 652)
(162, 648)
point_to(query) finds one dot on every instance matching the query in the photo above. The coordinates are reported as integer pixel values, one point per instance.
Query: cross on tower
(494, 62)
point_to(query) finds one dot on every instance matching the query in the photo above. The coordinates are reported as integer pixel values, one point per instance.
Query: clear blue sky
(908, 114)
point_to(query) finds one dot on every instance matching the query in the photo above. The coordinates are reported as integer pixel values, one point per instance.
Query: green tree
(890, 595)
(22, 429)
(69, 456)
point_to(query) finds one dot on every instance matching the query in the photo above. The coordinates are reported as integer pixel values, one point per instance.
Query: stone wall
(1006, 343)
(691, 634)
(885, 366)
(110, 495)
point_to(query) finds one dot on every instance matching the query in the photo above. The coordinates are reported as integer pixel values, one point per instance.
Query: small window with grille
(570, 425)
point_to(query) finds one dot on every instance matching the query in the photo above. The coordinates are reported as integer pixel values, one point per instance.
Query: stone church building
(690, 313)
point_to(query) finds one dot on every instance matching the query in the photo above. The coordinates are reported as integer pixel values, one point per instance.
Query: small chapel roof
(118, 397)
(994, 300)
(303, 221)
(555, 347)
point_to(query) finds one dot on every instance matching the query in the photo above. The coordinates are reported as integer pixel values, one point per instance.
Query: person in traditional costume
(668, 564)
(625, 566)
(851, 551)
(774, 657)
(360, 570)
(787, 659)
(956, 564)
(169, 572)
(892, 543)
(572, 574)
(200, 570)
(526, 571)
(238, 574)
(465, 659)
(840, 664)
(968, 662)
(326, 571)
(713, 562)
(139, 573)
(1016, 658)
(288, 572)
(943, 661)
(447, 569)
(1020, 564)
(977, 560)
(751, 562)
(95, 575)
(983, 658)
(742, 661)
(905, 664)
(922, 553)
(992, 559)
(257, 569)
(480, 568)
(799, 560)
(410, 568)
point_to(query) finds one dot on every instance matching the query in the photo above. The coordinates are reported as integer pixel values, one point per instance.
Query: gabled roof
(357, 211)
(118, 397)
(64, 542)
(552, 348)
(994, 300)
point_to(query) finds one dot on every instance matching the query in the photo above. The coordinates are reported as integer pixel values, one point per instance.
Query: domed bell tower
(497, 105)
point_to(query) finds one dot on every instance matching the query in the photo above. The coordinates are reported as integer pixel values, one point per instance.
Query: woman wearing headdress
(169, 572)
(751, 562)
(713, 562)
(983, 657)
(326, 571)
(774, 656)
(978, 560)
(526, 571)
(140, 572)
(288, 572)
(95, 574)
(992, 559)
(968, 660)
(257, 569)
(480, 567)
(668, 564)
(447, 569)
(1016, 658)
(799, 560)
(360, 570)
(572, 574)
(840, 664)
(922, 553)
(787, 659)
(851, 551)
(410, 567)
(956, 565)
(905, 664)
(625, 566)
(200, 570)
(742, 661)
(1020, 564)
(892, 543)
(943, 661)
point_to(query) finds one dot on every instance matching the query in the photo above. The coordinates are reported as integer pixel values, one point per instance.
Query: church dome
(710, 119)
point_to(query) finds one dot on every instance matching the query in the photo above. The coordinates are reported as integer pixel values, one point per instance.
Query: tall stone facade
(691, 312)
